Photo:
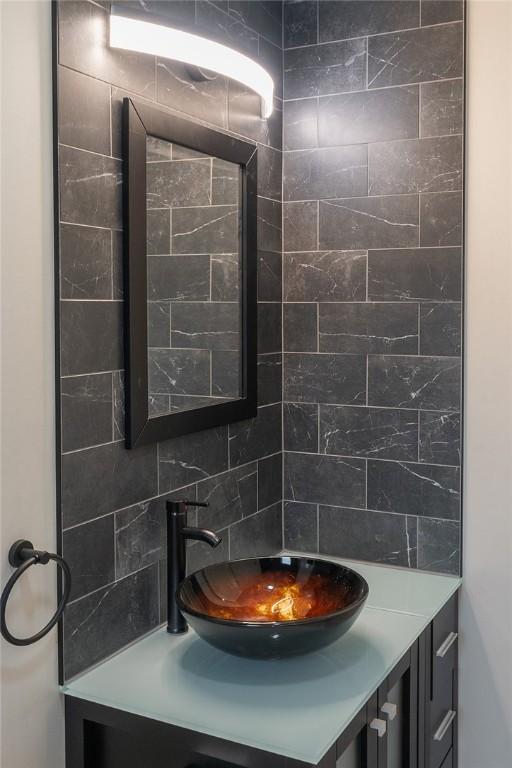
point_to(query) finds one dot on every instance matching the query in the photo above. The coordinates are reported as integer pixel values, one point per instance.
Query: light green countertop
(296, 707)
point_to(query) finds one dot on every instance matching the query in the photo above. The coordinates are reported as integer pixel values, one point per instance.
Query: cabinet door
(357, 747)
(352, 756)
(398, 707)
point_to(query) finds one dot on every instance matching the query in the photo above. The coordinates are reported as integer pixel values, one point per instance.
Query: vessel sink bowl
(272, 607)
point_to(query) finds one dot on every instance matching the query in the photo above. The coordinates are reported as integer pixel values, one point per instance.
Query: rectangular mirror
(190, 269)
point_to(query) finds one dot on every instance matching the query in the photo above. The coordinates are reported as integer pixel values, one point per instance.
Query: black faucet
(177, 533)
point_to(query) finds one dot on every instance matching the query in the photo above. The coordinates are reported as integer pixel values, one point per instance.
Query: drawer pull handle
(445, 647)
(445, 724)
(379, 725)
(389, 709)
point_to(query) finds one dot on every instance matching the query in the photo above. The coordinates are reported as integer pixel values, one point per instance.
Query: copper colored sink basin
(272, 607)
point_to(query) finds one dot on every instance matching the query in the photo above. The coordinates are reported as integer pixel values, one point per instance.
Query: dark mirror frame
(139, 121)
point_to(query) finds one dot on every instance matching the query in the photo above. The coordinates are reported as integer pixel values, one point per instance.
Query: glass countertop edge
(217, 734)
(72, 689)
(185, 724)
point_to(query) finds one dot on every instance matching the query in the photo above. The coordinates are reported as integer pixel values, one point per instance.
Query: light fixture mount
(202, 56)
(200, 75)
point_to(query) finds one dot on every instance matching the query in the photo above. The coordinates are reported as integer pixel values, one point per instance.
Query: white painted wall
(31, 711)
(485, 739)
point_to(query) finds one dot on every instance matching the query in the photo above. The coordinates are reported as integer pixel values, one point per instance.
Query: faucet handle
(175, 506)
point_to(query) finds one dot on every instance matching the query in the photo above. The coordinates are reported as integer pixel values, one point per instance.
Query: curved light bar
(169, 43)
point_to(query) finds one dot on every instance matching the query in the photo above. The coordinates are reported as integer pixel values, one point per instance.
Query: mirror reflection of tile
(194, 277)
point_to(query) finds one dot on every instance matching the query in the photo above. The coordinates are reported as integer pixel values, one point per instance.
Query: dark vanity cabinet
(438, 655)
(385, 732)
(409, 722)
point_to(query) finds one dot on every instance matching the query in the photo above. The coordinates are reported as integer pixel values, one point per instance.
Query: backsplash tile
(368, 328)
(254, 438)
(318, 479)
(90, 549)
(300, 427)
(86, 404)
(441, 219)
(259, 534)
(439, 545)
(415, 165)
(270, 480)
(300, 23)
(369, 222)
(384, 433)
(85, 109)
(428, 383)
(415, 56)
(86, 262)
(440, 438)
(264, 17)
(442, 107)
(99, 480)
(367, 116)
(269, 379)
(269, 225)
(300, 327)
(438, 11)
(230, 496)
(139, 536)
(327, 378)
(269, 276)
(366, 535)
(325, 276)
(423, 490)
(90, 188)
(300, 121)
(355, 18)
(300, 226)
(316, 70)
(333, 172)
(441, 329)
(300, 526)
(106, 620)
(186, 459)
(377, 272)
(90, 336)
(420, 274)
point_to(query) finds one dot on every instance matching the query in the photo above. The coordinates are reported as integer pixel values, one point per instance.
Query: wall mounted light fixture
(167, 42)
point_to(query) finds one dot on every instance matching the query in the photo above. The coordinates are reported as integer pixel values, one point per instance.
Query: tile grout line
(396, 31)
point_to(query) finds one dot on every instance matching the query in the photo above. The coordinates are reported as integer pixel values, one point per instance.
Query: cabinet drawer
(445, 638)
(442, 718)
(442, 715)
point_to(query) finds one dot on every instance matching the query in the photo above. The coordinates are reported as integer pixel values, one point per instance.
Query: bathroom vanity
(383, 696)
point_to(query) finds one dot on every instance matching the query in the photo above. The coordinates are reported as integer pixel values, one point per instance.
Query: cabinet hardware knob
(379, 725)
(446, 645)
(445, 724)
(389, 709)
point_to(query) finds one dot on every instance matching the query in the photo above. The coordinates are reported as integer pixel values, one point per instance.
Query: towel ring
(22, 556)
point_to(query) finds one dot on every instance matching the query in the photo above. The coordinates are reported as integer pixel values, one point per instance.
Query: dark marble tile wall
(372, 279)
(112, 499)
